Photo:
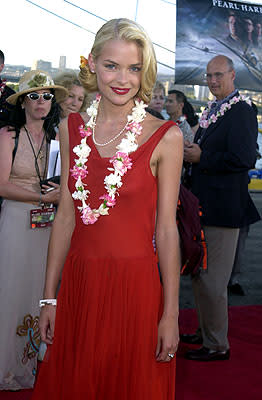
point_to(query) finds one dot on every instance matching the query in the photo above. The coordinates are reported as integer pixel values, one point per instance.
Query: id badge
(42, 217)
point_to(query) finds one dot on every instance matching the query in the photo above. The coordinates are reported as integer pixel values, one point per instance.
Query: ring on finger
(171, 355)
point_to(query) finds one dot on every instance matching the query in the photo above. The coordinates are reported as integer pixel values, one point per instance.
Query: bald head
(220, 76)
(220, 59)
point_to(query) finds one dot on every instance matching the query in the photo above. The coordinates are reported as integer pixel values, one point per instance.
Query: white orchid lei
(121, 161)
(204, 121)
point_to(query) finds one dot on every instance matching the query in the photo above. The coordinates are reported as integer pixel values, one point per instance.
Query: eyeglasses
(36, 96)
(217, 75)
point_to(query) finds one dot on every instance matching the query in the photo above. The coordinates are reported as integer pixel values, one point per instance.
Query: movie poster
(206, 28)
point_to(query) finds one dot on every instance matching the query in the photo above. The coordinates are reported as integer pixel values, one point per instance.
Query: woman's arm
(170, 158)
(59, 240)
(10, 190)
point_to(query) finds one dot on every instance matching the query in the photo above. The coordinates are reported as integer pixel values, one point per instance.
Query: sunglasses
(36, 96)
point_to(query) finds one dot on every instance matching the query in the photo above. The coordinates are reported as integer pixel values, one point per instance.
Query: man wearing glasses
(223, 151)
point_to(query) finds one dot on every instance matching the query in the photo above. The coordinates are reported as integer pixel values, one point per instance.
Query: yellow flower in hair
(83, 62)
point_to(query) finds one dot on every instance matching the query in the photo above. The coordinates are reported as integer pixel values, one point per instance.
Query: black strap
(37, 155)
(17, 132)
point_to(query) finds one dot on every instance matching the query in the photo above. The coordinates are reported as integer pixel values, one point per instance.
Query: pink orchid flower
(236, 99)
(110, 202)
(121, 162)
(204, 124)
(77, 172)
(213, 118)
(85, 131)
(135, 127)
(88, 216)
(223, 107)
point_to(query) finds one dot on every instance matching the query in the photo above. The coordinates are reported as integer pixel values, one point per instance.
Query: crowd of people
(81, 250)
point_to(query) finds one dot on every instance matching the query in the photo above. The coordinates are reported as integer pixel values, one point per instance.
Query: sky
(30, 33)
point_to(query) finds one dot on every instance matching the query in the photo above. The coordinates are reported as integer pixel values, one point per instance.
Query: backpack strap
(17, 132)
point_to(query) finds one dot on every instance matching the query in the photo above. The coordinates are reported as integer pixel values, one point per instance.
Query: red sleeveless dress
(110, 300)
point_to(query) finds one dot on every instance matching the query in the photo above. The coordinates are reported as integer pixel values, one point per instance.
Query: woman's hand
(168, 338)
(47, 323)
(51, 194)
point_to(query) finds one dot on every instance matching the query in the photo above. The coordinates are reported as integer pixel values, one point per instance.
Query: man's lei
(204, 121)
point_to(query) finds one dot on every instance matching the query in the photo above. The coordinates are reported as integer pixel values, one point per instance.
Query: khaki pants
(210, 287)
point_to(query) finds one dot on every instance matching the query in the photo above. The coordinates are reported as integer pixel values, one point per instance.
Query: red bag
(192, 240)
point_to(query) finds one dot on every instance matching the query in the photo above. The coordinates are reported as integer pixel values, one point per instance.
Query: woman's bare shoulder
(170, 145)
(151, 124)
(172, 134)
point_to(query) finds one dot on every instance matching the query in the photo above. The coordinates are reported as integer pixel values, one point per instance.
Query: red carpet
(240, 378)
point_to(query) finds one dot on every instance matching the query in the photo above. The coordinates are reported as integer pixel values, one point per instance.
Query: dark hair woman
(24, 223)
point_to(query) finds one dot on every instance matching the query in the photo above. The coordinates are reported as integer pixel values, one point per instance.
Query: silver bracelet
(47, 302)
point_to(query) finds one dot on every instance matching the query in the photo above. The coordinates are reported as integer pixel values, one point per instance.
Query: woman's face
(258, 29)
(158, 100)
(74, 101)
(118, 70)
(38, 108)
(248, 24)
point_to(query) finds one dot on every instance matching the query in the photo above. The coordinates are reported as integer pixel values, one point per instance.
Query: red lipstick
(120, 91)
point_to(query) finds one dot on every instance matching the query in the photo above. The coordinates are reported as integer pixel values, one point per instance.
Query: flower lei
(2, 86)
(181, 119)
(204, 121)
(121, 161)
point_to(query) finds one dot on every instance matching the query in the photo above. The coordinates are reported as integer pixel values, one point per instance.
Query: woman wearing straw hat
(25, 221)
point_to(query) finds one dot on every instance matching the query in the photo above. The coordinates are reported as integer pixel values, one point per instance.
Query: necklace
(204, 121)
(40, 153)
(121, 161)
(109, 141)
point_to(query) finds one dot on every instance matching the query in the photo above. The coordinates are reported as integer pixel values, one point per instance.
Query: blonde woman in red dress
(113, 330)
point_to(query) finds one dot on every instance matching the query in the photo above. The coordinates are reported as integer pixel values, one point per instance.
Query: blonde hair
(159, 86)
(130, 31)
(68, 79)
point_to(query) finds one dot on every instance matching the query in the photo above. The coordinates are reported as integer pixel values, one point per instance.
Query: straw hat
(37, 80)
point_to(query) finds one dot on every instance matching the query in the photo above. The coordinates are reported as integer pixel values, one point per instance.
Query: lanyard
(37, 155)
